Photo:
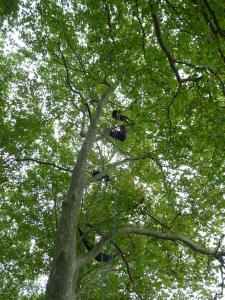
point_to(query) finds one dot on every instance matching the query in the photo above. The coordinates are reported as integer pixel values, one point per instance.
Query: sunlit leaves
(67, 52)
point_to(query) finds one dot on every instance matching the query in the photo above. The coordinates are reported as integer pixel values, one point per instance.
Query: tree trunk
(60, 284)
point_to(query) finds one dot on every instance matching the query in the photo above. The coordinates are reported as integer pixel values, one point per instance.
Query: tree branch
(82, 65)
(81, 165)
(215, 21)
(174, 9)
(151, 233)
(104, 133)
(108, 13)
(214, 30)
(106, 171)
(65, 263)
(169, 56)
(68, 81)
(68, 76)
(162, 44)
(171, 237)
(142, 28)
(43, 163)
(128, 271)
(159, 222)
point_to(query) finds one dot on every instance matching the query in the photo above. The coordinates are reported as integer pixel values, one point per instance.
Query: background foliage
(167, 63)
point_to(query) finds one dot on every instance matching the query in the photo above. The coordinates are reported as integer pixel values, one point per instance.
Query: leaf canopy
(166, 61)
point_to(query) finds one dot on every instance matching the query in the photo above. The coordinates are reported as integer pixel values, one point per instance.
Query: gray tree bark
(65, 264)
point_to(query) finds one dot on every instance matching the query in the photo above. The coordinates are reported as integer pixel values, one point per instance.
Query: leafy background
(54, 58)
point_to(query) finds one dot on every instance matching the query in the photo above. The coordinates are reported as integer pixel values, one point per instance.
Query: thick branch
(95, 250)
(167, 236)
(80, 167)
(162, 44)
(151, 233)
(215, 21)
(213, 29)
(169, 56)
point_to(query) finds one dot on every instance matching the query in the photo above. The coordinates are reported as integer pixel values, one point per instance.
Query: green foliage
(65, 54)
(8, 7)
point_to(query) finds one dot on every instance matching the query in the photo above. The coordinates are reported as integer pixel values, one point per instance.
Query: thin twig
(42, 163)
(128, 271)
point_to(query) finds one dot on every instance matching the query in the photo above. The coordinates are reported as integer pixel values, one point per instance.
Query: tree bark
(214, 252)
(65, 264)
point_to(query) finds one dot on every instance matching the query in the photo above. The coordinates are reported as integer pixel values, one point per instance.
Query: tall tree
(155, 207)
